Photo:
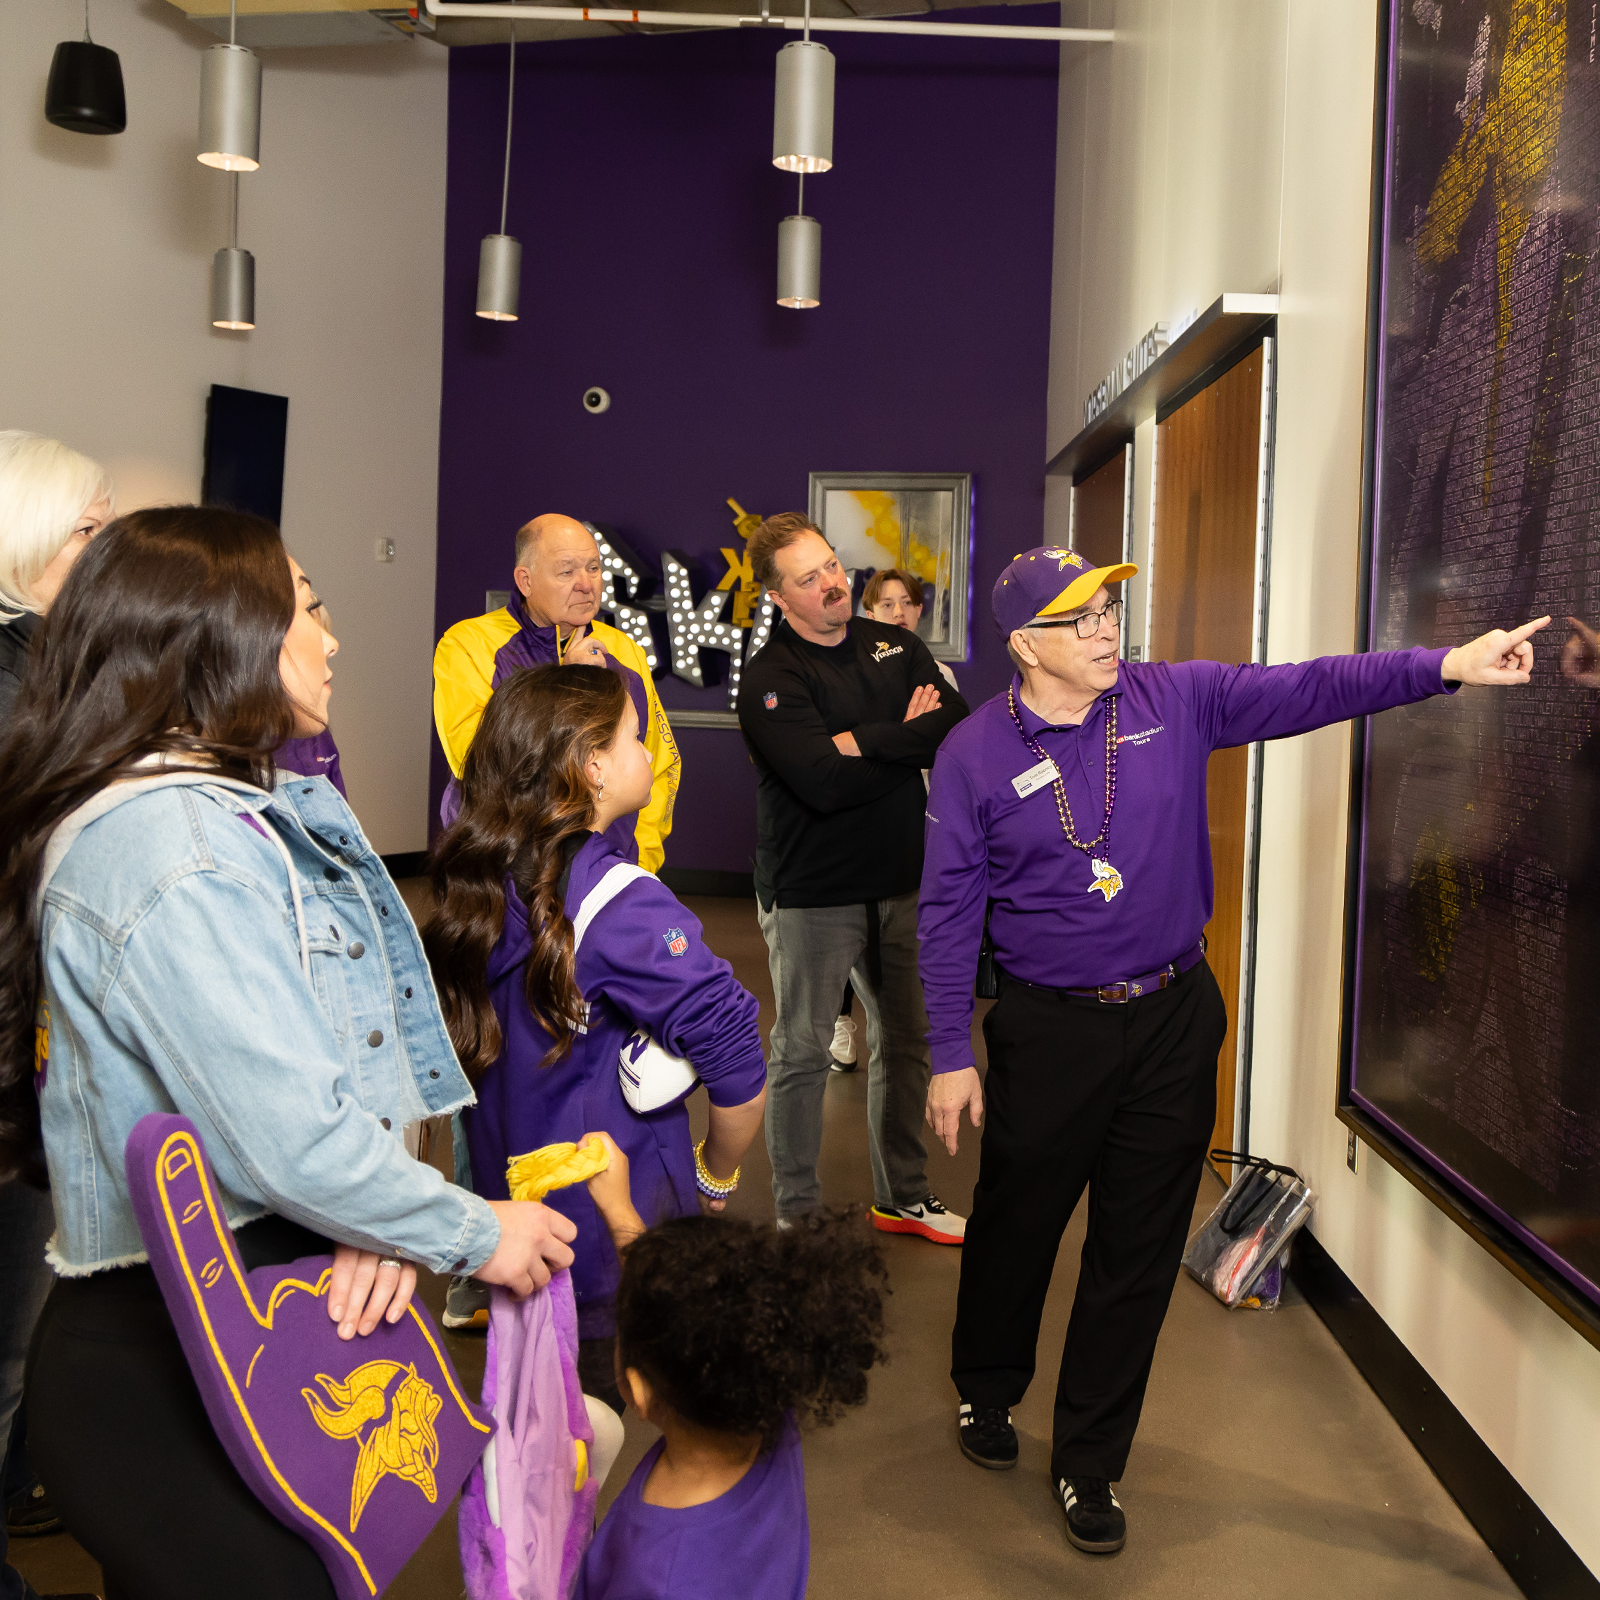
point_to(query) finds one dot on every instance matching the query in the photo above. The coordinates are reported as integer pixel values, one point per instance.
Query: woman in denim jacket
(176, 934)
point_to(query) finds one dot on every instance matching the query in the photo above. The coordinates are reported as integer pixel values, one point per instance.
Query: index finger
(1517, 635)
(574, 639)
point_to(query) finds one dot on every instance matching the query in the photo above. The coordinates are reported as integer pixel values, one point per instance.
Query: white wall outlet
(383, 550)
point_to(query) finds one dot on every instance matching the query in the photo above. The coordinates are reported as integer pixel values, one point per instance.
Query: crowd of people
(192, 921)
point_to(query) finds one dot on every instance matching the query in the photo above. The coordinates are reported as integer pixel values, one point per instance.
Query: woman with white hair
(53, 501)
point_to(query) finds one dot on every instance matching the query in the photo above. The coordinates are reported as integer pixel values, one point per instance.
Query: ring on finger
(391, 1261)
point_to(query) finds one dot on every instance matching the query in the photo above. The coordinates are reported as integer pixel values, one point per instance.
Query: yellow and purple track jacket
(477, 655)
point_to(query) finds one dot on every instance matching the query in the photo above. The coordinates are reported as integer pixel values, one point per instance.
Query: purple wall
(648, 209)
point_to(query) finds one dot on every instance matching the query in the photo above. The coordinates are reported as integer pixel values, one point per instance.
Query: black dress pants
(121, 1440)
(1121, 1098)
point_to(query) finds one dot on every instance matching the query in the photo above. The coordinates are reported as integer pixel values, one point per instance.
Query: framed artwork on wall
(1472, 970)
(920, 522)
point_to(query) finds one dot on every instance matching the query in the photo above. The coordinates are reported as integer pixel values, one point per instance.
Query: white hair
(45, 488)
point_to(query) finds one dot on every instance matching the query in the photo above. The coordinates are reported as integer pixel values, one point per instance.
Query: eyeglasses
(1088, 625)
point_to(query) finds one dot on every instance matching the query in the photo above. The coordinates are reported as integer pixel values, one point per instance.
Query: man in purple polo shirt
(1074, 806)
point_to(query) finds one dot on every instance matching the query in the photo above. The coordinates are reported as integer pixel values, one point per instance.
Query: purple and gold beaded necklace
(1107, 880)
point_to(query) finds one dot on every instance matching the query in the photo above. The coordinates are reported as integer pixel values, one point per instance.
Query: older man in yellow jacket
(552, 618)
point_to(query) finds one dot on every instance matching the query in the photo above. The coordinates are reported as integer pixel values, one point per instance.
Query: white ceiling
(268, 24)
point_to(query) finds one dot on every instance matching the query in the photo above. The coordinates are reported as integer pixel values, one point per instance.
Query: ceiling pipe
(717, 19)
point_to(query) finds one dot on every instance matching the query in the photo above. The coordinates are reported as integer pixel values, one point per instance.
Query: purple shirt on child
(752, 1543)
(642, 964)
(985, 842)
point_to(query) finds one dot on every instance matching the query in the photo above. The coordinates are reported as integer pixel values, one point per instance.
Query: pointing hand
(1496, 657)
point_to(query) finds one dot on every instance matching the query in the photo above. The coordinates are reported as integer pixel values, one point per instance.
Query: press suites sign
(1129, 369)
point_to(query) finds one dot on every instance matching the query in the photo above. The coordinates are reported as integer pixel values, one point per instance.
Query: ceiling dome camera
(596, 400)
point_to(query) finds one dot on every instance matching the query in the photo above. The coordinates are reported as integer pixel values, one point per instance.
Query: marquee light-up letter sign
(691, 628)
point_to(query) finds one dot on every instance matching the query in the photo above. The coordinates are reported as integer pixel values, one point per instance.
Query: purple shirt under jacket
(752, 1543)
(533, 646)
(983, 843)
(691, 1004)
(316, 757)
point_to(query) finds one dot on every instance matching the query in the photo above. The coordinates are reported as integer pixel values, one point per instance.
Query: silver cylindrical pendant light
(233, 289)
(500, 256)
(233, 280)
(802, 117)
(499, 277)
(800, 263)
(230, 108)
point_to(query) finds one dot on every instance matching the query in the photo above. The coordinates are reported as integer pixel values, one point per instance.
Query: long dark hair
(164, 638)
(524, 794)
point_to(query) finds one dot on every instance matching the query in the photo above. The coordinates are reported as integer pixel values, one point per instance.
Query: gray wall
(105, 261)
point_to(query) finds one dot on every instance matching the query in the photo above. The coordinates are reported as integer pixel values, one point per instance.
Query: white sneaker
(927, 1218)
(843, 1049)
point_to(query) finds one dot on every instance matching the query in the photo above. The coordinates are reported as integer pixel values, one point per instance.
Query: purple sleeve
(1238, 705)
(955, 889)
(646, 954)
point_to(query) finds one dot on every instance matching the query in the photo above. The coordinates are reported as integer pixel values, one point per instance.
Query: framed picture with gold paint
(920, 522)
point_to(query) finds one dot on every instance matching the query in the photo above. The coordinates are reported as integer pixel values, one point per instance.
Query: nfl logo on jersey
(769, 700)
(676, 942)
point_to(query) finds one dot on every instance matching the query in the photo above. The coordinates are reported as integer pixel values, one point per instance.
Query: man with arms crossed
(1074, 805)
(840, 715)
(552, 618)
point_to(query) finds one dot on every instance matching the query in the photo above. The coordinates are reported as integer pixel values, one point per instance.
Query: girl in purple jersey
(563, 967)
(729, 1334)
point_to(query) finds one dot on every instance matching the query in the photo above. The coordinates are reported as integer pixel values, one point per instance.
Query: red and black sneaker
(927, 1218)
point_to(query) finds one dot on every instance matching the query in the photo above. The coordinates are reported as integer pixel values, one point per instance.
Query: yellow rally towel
(555, 1166)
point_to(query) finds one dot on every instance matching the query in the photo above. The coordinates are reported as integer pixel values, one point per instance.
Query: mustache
(830, 595)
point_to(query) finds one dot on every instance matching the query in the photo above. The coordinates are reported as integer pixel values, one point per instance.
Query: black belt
(1124, 989)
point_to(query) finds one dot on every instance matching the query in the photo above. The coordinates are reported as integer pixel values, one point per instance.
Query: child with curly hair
(729, 1335)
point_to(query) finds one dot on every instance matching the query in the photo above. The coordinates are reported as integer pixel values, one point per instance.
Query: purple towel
(523, 1535)
(358, 1446)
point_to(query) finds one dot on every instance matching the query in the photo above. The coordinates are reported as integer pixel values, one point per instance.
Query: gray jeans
(811, 951)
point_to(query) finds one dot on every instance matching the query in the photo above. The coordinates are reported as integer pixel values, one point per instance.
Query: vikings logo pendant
(1107, 880)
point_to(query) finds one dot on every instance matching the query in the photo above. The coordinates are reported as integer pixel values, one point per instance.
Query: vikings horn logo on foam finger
(263, 1350)
(403, 1442)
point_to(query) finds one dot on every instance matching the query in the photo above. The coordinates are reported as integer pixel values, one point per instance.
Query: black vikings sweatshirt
(838, 830)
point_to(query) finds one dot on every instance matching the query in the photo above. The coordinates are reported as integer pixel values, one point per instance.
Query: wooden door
(1204, 555)
(1099, 511)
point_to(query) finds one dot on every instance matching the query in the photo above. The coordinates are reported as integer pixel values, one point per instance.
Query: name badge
(1035, 778)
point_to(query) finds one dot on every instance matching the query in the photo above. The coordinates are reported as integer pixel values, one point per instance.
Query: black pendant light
(84, 94)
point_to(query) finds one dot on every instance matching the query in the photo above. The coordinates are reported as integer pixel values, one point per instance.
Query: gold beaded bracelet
(712, 1188)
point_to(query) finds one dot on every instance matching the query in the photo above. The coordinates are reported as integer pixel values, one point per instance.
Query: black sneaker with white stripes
(987, 1436)
(1094, 1519)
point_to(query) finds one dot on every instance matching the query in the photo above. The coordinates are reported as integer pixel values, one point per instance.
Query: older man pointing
(552, 618)
(1074, 806)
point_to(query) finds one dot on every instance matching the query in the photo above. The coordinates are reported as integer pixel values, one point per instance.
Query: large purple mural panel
(1475, 1003)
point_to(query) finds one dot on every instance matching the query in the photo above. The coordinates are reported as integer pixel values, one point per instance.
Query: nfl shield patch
(676, 942)
(769, 700)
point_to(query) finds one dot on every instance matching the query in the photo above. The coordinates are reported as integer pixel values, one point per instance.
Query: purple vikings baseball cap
(1048, 582)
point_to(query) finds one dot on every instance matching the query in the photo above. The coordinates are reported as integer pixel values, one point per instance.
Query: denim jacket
(246, 960)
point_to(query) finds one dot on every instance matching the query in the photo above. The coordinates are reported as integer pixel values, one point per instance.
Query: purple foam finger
(358, 1446)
